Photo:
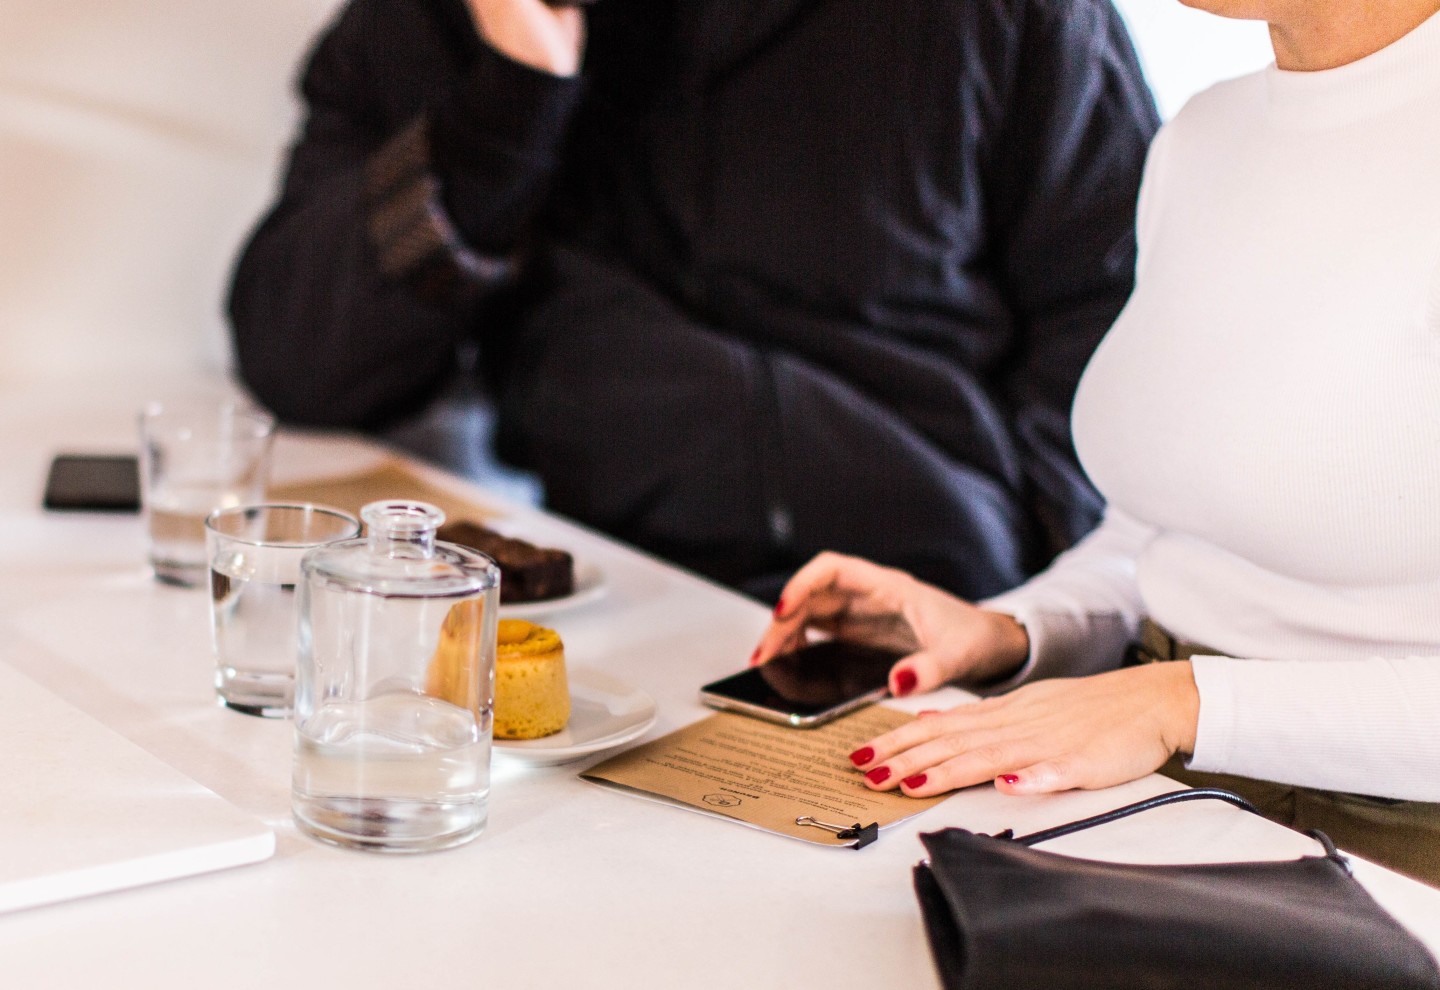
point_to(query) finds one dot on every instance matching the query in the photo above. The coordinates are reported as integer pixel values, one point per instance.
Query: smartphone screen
(93, 482)
(807, 687)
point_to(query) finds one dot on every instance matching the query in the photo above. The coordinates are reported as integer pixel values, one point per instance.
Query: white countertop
(571, 884)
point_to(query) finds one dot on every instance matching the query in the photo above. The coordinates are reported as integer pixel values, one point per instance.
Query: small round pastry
(532, 695)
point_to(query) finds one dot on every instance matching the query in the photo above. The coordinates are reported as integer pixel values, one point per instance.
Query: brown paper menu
(767, 775)
(388, 480)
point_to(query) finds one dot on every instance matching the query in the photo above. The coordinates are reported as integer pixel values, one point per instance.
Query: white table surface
(571, 884)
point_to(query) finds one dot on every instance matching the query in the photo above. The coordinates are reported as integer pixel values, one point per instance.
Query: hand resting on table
(1087, 732)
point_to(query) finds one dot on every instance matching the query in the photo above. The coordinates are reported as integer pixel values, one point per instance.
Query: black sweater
(771, 277)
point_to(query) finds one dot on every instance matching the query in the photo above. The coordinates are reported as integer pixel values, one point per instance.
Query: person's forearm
(1361, 726)
(494, 144)
(1082, 610)
(348, 302)
(321, 336)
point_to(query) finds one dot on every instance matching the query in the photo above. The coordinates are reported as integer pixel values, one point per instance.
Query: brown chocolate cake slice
(527, 573)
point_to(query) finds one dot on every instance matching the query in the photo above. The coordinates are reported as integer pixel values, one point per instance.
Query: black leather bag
(1003, 916)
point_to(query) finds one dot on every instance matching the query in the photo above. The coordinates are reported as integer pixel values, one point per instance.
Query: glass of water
(196, 457)
(394, 687)
(254, 553)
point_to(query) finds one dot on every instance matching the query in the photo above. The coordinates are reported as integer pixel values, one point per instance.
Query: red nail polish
(862, 756)
(916, 781)
(879, 775)
(780, 608)
(905, 681)
(1010, 778)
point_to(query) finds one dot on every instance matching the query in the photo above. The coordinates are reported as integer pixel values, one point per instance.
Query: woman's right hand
(945, 638)
(551, 39)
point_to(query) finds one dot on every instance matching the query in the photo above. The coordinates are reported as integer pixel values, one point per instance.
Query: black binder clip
(862, 834)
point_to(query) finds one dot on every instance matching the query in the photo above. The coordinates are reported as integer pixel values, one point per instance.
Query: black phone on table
(809, 686)
(93, 483)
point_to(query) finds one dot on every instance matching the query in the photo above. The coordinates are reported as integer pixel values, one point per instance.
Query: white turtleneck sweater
(1264, 422)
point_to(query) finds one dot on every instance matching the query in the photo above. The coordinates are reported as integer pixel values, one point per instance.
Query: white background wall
(139, 141)
(1185, 50)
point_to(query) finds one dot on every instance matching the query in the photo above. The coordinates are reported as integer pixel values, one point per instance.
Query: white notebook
(84, 810)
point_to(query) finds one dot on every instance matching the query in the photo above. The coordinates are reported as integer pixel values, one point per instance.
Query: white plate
(605, 712)
(589, 586)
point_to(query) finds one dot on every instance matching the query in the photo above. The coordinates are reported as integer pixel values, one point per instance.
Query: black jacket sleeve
(1067, 168)
(423, 158)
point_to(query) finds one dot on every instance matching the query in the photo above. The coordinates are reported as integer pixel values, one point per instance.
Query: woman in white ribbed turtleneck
(1264, 422)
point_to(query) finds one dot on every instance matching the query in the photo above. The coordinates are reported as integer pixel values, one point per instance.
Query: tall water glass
(395, 686)
(196, 457)
(254, 553)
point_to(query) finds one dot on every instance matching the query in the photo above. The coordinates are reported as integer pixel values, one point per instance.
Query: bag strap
(1173, 797)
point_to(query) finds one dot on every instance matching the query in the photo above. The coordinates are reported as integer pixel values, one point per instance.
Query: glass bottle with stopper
(394, 686)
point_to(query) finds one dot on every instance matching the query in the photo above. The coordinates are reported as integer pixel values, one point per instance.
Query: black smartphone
(806, 687)
(93, 483)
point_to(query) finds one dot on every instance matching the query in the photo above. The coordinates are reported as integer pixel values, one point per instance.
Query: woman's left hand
(1087, 732)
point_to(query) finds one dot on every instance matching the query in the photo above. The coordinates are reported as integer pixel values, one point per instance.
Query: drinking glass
(254, 553)
(194, 458)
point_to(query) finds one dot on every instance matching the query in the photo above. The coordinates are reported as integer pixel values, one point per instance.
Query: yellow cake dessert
(532, 696)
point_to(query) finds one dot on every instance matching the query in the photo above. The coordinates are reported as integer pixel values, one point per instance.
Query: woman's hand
(551, 39)
(849, 598)
(1087, 732)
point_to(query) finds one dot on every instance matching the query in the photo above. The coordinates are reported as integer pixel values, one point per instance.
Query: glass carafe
(394, 686)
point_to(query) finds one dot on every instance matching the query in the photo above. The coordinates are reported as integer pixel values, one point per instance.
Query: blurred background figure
(748, 280)
(139, 141)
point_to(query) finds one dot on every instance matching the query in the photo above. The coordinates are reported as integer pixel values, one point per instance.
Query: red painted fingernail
(1010, 778)
(878, 776)
(862, 756)
(905, 681)
(928, 712)
(780, 608)
(916, 781)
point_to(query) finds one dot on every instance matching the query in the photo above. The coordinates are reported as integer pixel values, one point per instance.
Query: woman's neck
(1309, 35)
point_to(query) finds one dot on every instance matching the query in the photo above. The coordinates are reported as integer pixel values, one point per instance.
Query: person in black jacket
(749, 280)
